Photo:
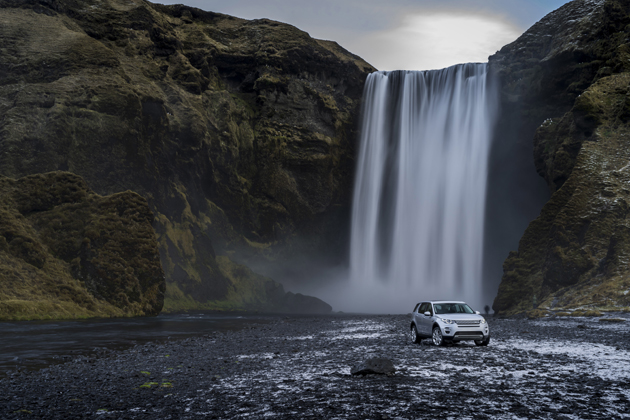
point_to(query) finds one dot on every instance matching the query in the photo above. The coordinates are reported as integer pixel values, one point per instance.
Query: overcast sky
(400, 34)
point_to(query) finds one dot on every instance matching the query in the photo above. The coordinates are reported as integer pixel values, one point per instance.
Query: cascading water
(419, 199)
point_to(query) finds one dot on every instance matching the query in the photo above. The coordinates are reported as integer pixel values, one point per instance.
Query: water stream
(31, 345)
(420, 189)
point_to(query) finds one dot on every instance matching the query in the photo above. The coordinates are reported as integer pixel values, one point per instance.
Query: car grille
(471, 335)
(467, 323)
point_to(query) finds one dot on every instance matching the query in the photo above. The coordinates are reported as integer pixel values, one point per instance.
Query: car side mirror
(478, 313)
(427, 313)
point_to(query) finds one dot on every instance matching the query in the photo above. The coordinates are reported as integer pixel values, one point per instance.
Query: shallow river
(30, 345)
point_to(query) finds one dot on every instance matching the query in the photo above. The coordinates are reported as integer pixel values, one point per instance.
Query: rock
(299, 303)
(239, 133)
(66, 252)
(375, 365)
(568, 75)
(589, 386)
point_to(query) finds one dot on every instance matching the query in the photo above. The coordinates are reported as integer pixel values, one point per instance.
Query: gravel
(299, 367)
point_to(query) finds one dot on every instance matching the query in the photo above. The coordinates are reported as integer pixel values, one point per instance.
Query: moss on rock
(66, 252)
(238, 132)
(576, 253)
(247, 291)
(570, 74)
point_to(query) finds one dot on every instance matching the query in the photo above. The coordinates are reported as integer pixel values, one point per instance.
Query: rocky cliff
(569, 75)
(239, 133)
(66, 252)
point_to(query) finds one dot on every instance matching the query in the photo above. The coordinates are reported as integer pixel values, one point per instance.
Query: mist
(514, 196)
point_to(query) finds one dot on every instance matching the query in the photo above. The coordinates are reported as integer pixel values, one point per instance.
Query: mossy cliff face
(550, 65)
(239, 133)
(66, 252)
(571, 74)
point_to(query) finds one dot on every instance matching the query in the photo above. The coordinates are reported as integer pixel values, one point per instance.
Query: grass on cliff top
(344, 55)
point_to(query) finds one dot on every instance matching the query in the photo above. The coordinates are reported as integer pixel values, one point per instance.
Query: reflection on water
(35, 344)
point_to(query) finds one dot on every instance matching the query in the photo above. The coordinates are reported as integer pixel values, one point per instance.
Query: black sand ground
(299, 368)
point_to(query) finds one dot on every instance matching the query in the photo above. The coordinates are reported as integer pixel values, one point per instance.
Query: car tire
(438, 338)
(482, 342)
(415, 338)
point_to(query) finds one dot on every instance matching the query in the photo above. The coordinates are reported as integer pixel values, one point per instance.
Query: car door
(424, 322)
(414, 316)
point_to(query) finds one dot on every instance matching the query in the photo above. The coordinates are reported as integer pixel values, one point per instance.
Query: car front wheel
(438, 339)
(483, 342)
(414, 335)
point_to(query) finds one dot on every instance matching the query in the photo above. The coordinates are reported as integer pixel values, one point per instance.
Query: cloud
(425, 41)
(400, 34)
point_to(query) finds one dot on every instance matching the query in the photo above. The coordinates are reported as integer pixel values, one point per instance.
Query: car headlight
(447, 321)
(483, 321)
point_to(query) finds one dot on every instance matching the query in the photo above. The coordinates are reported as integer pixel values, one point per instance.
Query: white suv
(446, 321)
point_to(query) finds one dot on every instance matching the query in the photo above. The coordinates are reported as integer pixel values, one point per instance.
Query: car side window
(415, 309)
(423, 308)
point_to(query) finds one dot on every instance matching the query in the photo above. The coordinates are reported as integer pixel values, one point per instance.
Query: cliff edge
(239, 133)
(570, 75)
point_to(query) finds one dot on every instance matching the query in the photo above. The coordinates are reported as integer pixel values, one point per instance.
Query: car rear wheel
(415, 338)
(483, 342)
(438, 339)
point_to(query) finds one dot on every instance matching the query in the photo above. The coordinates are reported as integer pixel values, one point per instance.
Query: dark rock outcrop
(569, 75)
(374, 366)
(239, 133)
(66, 252)
(302, 304)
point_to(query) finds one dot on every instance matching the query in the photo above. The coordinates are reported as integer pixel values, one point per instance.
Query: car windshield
(452, 308)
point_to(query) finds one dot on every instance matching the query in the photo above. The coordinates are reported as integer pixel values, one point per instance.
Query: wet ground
(299, 368)
(32, 345)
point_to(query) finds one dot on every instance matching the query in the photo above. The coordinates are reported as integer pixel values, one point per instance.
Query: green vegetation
(247, 291)
(67, 253)
(537, 313)
(612, 320)
(241, 145)
(587, 313)
(574, 86)
(575, 255)
(150, 385)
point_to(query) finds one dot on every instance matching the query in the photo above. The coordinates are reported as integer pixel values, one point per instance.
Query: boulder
(374, 366)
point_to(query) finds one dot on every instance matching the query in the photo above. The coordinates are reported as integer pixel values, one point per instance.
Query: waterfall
(420, 188)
